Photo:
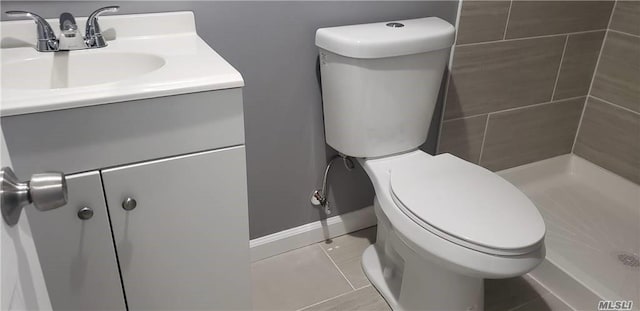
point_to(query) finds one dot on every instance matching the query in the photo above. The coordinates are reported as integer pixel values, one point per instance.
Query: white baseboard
(283, 241)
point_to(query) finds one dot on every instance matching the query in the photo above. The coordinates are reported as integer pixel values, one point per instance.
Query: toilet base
(373, 270)
(413, 291)
(410, 282)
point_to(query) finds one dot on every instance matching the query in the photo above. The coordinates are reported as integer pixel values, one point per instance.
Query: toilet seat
(466, 204)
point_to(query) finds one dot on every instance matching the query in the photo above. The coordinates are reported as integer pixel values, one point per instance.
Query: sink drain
(630, 260)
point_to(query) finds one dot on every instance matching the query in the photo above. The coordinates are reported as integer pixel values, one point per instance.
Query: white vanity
(149, 132)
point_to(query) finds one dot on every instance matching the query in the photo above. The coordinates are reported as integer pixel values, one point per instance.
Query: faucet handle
(46, 37)
(93, 34)
(106, 9)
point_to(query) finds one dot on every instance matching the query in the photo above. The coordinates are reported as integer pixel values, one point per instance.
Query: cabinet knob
(85, 213)
(129, 204)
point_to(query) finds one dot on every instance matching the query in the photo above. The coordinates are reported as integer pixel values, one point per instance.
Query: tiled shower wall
(520, 75)
(609, 133)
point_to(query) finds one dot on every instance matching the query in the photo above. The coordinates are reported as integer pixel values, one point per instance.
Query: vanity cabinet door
(77, 255)
(181, 231)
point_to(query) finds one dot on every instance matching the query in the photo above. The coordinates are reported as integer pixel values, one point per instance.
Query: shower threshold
(593, 230)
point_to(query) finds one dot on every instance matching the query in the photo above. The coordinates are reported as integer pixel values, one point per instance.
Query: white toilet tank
(380, 83)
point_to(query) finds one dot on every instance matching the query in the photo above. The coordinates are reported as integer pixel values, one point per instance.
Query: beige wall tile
(536, 18)
(617, 78)
(530, 134)
(626, 17)
(578, 64)
(482, 21)
(365, 299)
(499, 75)
(610, 137)
(463, 137)
(295, 279)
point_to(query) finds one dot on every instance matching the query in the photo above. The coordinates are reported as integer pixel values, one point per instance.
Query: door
(22, 284)
(75, 247)
(181, 231)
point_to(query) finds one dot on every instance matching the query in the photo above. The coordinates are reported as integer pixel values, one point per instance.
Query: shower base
(593, 229)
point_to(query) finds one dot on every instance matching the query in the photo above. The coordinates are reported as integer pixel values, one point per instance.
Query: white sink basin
(76, 69)
(148, 55)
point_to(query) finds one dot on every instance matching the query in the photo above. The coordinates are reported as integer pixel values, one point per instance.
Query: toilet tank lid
(387, 39)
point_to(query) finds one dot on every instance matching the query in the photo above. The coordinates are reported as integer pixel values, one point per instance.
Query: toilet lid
(467, 202)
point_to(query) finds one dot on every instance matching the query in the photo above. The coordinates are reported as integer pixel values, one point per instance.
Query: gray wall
(272, 45)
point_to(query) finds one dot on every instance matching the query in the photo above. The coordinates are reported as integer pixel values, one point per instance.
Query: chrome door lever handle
(46, 191)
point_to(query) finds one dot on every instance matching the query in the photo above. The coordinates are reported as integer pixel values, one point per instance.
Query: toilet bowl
(444, 224)
(422, 262)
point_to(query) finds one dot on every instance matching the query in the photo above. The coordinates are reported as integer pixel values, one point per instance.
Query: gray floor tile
(307, 279)
(295, 279)
(505, 294)
(346, 251)
(366, 298)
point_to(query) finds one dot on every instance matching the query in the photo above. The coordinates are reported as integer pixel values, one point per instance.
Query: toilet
(444, 224)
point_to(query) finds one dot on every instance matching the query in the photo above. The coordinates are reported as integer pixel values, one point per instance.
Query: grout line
(506, 24)
(458, 17)
(449, 70)
(329, 299)
(534, 37)
(363, 287)
(540, 104)
(593, 78)
(615, 105)
(624, 33)
(575, 138)
(564, 51)
(515, 108)
(484, 138)
(515, 308)
(604, 40)
(335, 265)
(540, 298)
(466, 117)
(444, 104)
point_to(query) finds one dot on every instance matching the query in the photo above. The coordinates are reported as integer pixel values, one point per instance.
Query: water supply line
(319, 197)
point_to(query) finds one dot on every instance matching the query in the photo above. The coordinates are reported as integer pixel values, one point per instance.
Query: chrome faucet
(93, 36)
(46, 41)
(70, 38)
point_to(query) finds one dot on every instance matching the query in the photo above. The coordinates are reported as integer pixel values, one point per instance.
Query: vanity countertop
(168, 41)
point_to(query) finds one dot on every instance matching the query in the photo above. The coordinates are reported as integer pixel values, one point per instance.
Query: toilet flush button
(395, 25)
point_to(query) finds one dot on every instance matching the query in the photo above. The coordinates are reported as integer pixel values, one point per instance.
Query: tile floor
(328, 276)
